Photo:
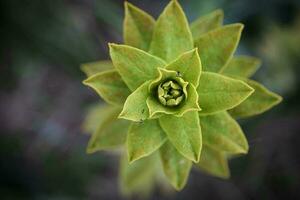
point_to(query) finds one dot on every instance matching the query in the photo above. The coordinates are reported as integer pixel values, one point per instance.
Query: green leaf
(243, 66)
(217, 47)
(138, 27)
(111, 132)
(188, 66)
(110, 86)
(135, 107)
(184, 133)
(175, 166)
(135, 66)
(144, 138)
(93, 68)
(171, 36)
(156, 109)
(94, 117)
(138, 177)
(207, 23)
(214, 162)
(223, 133)
(260, 101)
(218, 93)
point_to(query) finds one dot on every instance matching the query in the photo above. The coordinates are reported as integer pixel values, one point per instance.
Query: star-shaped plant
(175, 89)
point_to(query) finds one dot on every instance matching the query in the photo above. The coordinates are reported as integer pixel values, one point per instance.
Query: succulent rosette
(175, 90)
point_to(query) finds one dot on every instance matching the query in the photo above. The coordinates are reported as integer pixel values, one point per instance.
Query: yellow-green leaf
(260, 101)
(218, 93)
(188, 66)
(175, 166)
(139, 177)
(135, 107)
(144, 138)
(214, 162)
(223, 133)
(134, 65)
(138, 27)
(172, 35)
(110, 86)
(111, 132)
(93, 68)
(217, 47)
(243, 66)
(207, 23)
(184, 133)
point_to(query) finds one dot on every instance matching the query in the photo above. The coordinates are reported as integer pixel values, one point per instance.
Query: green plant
(174, 88)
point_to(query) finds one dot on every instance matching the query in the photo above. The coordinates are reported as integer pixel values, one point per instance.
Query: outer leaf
(188, 65)
(110, 86)
(218, 93)
(135, 107)
(93, 68)
(94, 117)
(111, 132)
(184, 133)
(207, 23)
(214, 162)
(132, 62)
(217, 47)
(138, 177)
(156, 109)
(144, 138)
(243, 66)
(175, 166)
(223, 133)
(138, 27)
(172, 35)
(260, 101)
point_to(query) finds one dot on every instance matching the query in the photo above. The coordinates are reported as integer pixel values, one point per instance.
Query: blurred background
(43, 103)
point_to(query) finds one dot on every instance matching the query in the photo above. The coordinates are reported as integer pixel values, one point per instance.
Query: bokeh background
(43, 103)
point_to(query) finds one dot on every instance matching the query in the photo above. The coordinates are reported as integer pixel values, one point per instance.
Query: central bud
(170, 93)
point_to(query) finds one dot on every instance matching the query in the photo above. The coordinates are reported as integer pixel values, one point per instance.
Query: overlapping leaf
(217, 47)
(214, 162)
(223, 133)
(207, 23)
(110, 86)
(110, 133)
(172, 35)
(218, 93)
(184, 133)
(175, 166)
(93, 68)
(135, 66)
(144, 138)
(260, 101)
(243, 66)
(138, 27)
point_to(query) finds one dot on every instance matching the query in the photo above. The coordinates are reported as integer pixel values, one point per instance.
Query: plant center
(170, 93)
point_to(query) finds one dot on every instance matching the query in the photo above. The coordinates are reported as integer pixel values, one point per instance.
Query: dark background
(43, 103)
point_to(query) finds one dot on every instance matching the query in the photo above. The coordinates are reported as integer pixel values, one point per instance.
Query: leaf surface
(172, 35)
(184, 133)
(144, 138)
(138, 27)
(243, 66)
(93, 68)
(110, 86)
(218, 93)
(111, 132)
(223, 133)
(214, 162)
(217, 47)
(207, 23)
(175, 166)
(132, 62)
(260, 101)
